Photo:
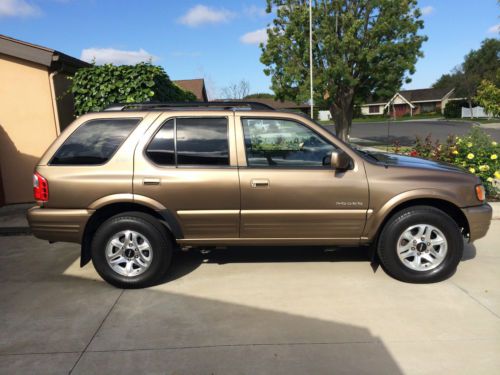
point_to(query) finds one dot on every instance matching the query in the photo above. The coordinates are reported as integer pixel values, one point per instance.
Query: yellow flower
(470, 156)
(484, 168)
(497, 175)
(494, 157)
(472, 170)
(455, 152)
(494, 143)
(489, 179)
(469, 144)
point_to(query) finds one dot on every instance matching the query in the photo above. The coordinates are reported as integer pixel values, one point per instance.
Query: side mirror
(340, 160)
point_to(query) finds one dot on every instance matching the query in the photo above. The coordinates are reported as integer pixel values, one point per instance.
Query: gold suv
(134, 182)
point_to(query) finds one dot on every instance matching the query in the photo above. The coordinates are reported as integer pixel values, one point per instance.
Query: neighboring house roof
(426, 95)
(402, 98)
(196, 86)
(52, 59)
(415, 96)
(277, 104)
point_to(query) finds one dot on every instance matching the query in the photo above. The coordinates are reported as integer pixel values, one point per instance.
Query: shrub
(97, 87)
(453, 109)
(476, 152)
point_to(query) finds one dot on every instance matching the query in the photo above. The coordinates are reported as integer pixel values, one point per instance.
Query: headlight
(480, 193)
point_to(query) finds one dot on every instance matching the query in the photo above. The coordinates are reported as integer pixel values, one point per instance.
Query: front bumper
(479, 218)
(66, 225)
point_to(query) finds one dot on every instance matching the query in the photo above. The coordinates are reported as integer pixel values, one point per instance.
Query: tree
(361, 48)
(488, 96)
(478, 65)
(259, 95)
(236, 90)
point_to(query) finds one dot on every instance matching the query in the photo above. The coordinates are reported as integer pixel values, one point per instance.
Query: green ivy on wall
(98, 86)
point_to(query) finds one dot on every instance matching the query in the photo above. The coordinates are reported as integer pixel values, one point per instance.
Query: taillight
(40, 188)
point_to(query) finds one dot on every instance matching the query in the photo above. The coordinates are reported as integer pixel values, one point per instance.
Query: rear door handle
(151, 181)
(261, 183)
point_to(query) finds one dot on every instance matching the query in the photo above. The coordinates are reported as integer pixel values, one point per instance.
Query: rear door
(289, 190)
(188, 164)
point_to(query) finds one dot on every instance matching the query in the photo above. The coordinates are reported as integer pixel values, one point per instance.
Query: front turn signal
(480, 193)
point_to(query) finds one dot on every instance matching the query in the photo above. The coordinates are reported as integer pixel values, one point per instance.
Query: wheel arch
(103, 213)
(442, 204)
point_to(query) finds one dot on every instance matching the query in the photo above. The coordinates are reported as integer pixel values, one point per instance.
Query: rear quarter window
(94, 142)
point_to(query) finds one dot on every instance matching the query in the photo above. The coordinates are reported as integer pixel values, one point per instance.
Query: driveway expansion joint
(96, 331)
(475, 299)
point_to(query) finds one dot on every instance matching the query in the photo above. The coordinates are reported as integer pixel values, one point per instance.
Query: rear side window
(94, 142)
(191, 141)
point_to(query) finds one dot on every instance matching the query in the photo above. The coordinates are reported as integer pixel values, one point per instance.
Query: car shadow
(185, 262)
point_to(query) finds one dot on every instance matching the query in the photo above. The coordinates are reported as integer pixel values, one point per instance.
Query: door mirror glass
(339, 160)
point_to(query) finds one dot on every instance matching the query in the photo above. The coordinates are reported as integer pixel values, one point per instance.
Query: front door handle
(151, 181)
(261, 183)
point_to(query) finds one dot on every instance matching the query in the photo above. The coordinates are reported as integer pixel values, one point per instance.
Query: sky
(217, 40)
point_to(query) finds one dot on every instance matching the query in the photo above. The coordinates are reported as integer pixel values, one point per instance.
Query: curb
(496, 210)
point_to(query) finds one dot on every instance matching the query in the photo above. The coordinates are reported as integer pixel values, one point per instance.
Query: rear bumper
(479, 218)
(66, 225)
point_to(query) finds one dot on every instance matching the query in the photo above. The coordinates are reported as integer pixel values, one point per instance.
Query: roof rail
(224, 105)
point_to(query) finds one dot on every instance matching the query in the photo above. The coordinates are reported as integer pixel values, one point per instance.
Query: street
(406, 131)
(247, 311)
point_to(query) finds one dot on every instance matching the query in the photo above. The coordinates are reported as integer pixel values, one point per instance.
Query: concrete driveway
(406, 131)
(247, 311)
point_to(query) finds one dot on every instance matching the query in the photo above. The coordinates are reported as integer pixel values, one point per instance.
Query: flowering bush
(476, 153)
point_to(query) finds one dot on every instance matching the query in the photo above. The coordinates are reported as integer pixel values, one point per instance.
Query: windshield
(365, 154)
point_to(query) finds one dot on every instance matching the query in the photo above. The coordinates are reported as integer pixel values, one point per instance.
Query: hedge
(98, 86)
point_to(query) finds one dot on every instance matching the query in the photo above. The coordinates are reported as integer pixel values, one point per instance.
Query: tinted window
(282, 143)
(199, 141)
(202, 141)
(161, 149)
(94, 142)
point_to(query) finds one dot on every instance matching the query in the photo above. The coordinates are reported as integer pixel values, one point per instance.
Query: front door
(188, 164)
(289, 190)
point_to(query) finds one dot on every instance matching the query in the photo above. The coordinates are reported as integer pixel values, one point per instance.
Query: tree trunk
(342, 112)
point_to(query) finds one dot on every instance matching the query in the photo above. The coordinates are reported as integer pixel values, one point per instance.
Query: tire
(410, 246)
(131, 250)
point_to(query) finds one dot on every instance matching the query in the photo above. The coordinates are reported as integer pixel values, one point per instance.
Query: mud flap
(374, 261)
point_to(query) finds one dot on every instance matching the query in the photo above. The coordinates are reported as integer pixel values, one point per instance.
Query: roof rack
(222, 105)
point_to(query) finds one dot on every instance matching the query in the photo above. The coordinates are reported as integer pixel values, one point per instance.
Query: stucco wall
(365, 109)
(65, 100)
(27, 125)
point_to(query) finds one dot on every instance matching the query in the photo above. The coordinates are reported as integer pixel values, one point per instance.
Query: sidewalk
(13, 218)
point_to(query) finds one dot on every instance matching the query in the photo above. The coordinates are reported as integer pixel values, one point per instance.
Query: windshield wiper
(369, 154)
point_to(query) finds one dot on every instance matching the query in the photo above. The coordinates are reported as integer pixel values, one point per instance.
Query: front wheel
(131, 250)
(420, 244)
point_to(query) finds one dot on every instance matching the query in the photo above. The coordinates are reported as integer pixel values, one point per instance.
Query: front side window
(94, 142)
(191, 141)
(284, 143)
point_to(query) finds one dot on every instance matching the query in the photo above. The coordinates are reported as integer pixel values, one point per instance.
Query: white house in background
(410, 102)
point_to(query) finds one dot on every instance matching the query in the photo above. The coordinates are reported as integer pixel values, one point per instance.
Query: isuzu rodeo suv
(134, 182)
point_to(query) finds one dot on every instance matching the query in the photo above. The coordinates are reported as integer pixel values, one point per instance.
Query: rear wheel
(131, 250)
(420, 244)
